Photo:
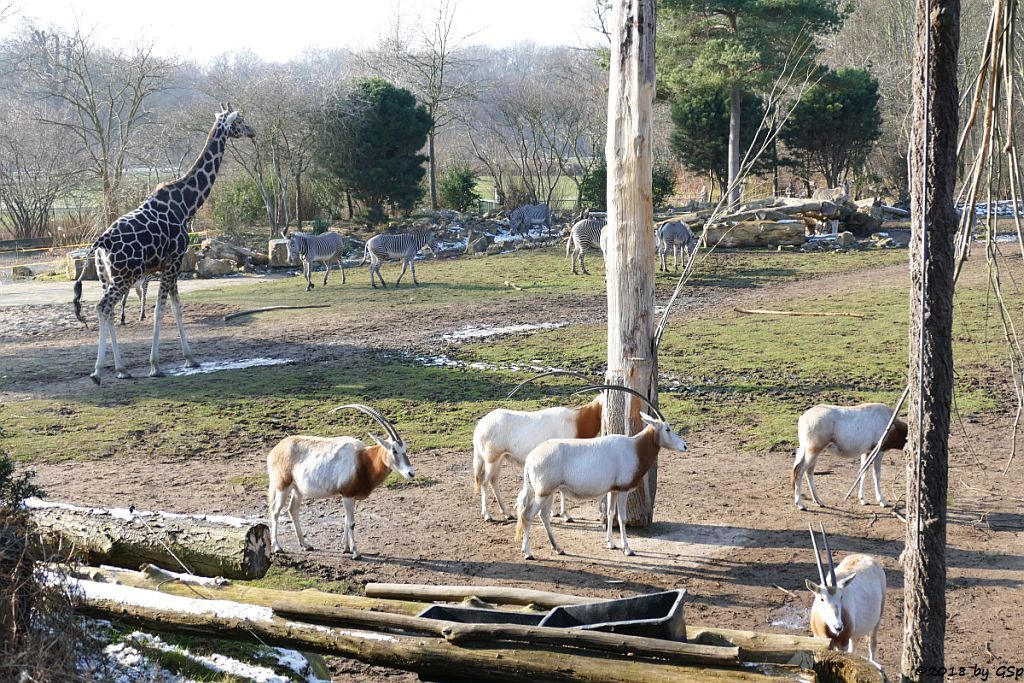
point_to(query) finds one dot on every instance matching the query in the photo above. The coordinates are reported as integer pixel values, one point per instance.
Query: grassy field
(757, 371)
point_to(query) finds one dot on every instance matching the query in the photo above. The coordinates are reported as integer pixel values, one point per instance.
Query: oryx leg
(350, 525)
(561, 509)
(609, 512)
(293, 512)
(278, 498)
(545, 518)
(621, 512)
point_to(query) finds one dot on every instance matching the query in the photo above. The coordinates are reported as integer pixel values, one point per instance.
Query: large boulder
(836, 195)
(211, 267)
(216, 249)
(278, 250)
(76, 262)
(845, 239)
(757, 234)
(21, 271)
(189, 261)
(479, 245)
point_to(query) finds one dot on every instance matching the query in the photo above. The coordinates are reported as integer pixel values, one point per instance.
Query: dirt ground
(726, 527)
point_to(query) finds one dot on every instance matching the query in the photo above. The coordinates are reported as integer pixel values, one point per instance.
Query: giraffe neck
(190, 190)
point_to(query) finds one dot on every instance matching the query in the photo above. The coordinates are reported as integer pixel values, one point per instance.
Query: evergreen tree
(738, 47)
(835, 123)
(700, 134)
(369, 138)
(458, 187)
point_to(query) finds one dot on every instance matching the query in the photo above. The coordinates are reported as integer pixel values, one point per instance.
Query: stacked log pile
(384, 632)
(781, 221)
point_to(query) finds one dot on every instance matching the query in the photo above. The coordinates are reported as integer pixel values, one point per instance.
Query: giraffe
(154, 237)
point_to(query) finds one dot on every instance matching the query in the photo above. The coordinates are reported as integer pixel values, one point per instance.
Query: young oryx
(590, 468)
(404, 246)
(513, 434)
(584, 234)
(315, 467)
(851, 431)
(328, 247)
(851, 606)
(677, 236)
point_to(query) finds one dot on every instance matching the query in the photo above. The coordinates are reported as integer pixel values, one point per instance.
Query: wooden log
(430, 657)
(820, 314)
(497, 594)
(251, 311)
(460, 633)
(156, 579)
(207, 546)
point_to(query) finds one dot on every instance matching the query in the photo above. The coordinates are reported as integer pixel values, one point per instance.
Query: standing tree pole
(629, 235)
(932, 265)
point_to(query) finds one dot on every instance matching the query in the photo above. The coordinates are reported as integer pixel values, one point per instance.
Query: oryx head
(396, 455)
(828, 595)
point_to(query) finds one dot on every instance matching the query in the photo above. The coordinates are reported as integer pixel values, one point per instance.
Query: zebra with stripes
(404, 246)
(584, 234)
(677, 236)
(528, 215)
(328, 247)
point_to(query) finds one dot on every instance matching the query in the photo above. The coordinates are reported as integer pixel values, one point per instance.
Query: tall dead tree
(932, 264)
(632, 354)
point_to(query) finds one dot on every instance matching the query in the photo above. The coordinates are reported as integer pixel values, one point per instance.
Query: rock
(278, 250)
(21, 271)
(479, 245)
(211, 267)
(845, 239)
(75, 262)
(831, 194)
(189, 261)
(216, 249)
(757, 234)
(495, 249)
(862, 224)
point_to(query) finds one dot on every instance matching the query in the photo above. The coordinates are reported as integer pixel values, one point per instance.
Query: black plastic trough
(470, 615)
(656, 615)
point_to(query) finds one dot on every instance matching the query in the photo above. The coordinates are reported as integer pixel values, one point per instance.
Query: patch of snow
(219, 365)
(129, 515)
(140, 597)
(484, 331)
(793, 618)
(442, 361)
(216, 663)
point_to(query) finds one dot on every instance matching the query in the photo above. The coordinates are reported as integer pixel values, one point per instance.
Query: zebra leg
(583, 264)
(412, 265)
(142, 290)
(341, 264)
(307, 270)
(327, 271)
(574, 256)
(405, 267)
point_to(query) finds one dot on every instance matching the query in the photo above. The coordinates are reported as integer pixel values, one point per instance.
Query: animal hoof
(883, 504)
(566, 519)
(863, 502)
(487, 517)
(628, 552)
(356, 556)
(124, 374)
(527, 556)
(308, 547)
(95, 378)
(156, 373)
(193, 363)
(801, 507)
(559, 551)
(611, 546)
(278, 549)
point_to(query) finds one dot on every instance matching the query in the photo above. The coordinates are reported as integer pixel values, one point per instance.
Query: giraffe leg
(115, 349)
(105, 313)
(101, 351)
(186, 351)
(158, 316)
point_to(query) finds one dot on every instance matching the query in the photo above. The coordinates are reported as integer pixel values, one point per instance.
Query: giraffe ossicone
(152, 238)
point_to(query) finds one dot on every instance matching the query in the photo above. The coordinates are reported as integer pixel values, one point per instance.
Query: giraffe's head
(230, 120)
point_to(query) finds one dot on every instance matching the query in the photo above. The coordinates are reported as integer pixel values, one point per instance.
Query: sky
(200, 30)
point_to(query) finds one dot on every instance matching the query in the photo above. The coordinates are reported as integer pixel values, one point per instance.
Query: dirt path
(727, 530)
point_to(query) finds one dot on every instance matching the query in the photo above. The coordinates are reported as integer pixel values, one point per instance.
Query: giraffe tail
(78, 291)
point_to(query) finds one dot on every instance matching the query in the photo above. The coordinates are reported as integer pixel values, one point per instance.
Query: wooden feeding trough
(656, 615)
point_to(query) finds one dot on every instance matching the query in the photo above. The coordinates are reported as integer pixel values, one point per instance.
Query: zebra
(404, 246)
(141, 288)
(528, 215)
(675, 235)
(327, 247)
(584, 234)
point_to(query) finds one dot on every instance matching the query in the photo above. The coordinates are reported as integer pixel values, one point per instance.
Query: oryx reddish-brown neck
(588, 420)
(371, 471)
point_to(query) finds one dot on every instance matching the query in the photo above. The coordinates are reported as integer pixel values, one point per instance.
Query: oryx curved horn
(817, 556)
(384, 422)
(828, 553)
(618, 387)
(546, 374)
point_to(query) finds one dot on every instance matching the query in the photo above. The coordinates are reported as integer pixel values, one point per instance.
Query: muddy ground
(726, 527)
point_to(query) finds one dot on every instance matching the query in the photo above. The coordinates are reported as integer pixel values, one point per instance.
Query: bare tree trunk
(933, 178)
(433, 169)
(632, 355)
(735, 100)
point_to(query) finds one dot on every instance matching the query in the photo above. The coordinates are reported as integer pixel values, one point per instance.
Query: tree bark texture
(629, 235)
(933, 177)
(735, 102)
(432, 169)
(125, 540)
